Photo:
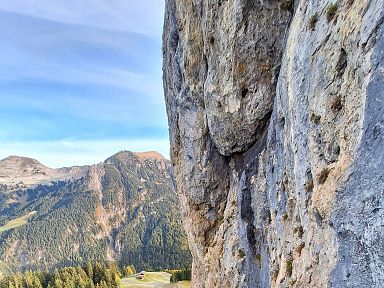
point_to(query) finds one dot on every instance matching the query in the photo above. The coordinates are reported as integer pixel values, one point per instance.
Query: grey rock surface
(276, 120)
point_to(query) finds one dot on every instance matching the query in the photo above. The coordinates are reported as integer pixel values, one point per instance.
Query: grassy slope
(17, 222)
(181, 284)
(160, 279)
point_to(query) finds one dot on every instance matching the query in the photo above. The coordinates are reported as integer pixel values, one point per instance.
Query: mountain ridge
(123, 210)
(24, 172)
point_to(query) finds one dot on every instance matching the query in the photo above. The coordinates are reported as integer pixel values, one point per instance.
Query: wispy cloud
(139, 16)
(84, 70)
(42, 50)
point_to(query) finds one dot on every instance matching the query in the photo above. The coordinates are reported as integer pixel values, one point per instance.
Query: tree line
(98, 275)
(180, 275)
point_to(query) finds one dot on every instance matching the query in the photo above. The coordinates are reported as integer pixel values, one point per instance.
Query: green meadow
(17, 222)
(154, 279)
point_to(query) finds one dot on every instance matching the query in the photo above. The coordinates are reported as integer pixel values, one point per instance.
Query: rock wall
(276, 116)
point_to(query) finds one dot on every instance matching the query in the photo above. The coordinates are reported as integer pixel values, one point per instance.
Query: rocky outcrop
(276, 120)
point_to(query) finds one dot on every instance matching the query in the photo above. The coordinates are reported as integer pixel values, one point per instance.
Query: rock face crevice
(275, 117)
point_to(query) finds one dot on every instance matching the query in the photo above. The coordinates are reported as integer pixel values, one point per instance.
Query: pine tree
(116, 281)
(29, 279)
(36, 282)
(129, 271)
(58, 283)
(89, 270)
(108, 277)
(10, 285)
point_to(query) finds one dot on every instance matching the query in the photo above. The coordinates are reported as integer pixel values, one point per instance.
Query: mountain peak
(28, 171)
(149, 155)
(126, 156)
(14, 162)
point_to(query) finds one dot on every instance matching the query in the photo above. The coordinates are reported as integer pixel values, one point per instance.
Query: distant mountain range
(124, 210)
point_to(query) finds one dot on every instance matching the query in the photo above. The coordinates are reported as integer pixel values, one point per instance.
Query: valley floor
(154, 279)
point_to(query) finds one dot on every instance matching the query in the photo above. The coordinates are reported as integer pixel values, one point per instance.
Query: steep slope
(276, 121)
(124, 210)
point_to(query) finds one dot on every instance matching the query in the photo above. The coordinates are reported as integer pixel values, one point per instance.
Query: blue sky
(81, 80)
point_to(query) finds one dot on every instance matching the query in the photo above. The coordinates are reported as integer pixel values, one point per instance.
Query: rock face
(276, 116)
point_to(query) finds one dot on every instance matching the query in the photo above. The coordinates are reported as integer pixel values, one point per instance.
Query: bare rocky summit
(23, 172)
(276, 116)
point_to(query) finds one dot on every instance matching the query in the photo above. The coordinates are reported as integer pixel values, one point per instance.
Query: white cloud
(91, 45)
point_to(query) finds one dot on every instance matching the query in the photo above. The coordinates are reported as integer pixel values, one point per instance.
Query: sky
(81, 80)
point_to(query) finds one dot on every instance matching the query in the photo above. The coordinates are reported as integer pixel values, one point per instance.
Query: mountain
(276, 120)
(124, 209)
(21, 172)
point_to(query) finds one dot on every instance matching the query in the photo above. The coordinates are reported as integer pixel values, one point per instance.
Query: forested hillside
(123, 210)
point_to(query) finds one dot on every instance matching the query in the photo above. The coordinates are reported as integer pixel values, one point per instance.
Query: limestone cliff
(276, 123)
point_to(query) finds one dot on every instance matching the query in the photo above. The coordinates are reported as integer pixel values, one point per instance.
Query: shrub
(289, 267)
(300, 248)
(315, 118)
(288, 5)
(341, 63)
(313, 21)
(241, 253)
(331, 11)
(299, 230)
(322, 177)
(309, 185)
(337, 105)
(275, 274)
(220, 219)
(258, 258)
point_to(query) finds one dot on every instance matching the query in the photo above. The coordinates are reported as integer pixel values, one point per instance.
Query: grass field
(181, 284)
(17, 222)
(154, 279)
